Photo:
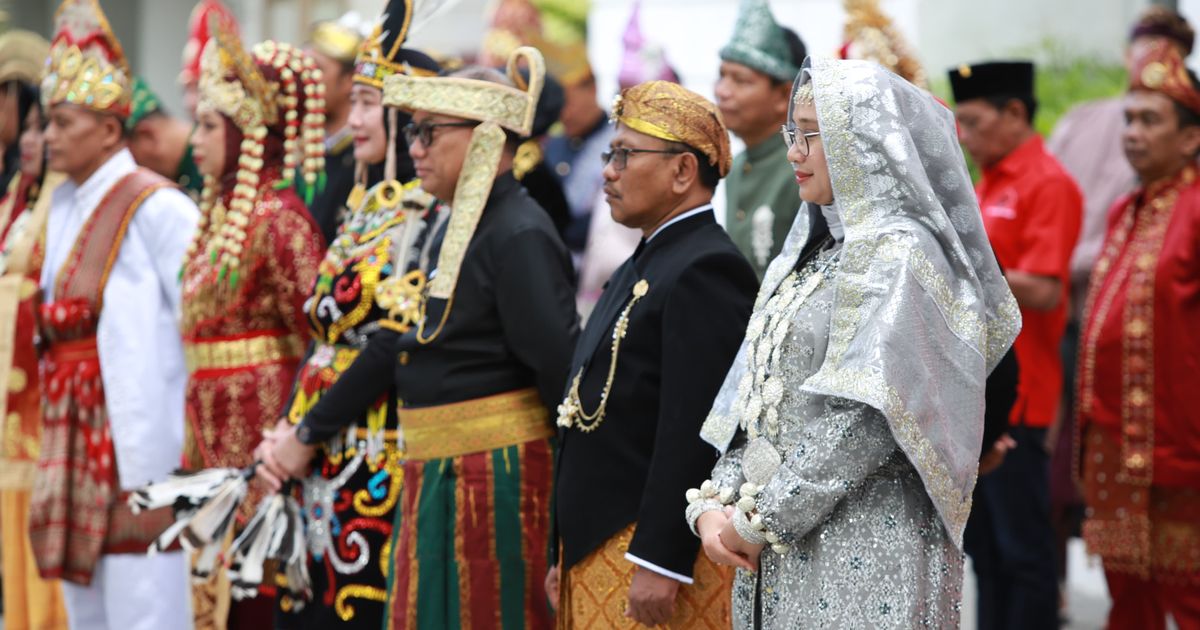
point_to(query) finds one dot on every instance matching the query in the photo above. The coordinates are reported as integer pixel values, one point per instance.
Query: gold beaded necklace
(570, 412)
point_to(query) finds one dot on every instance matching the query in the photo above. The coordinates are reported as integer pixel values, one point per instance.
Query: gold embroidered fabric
(242, 353)
(474, 426)
(509, 107)
(671, 112)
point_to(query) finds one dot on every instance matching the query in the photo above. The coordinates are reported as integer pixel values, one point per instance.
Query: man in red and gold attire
(1139, 407)
(111, 366)
(1032, 211)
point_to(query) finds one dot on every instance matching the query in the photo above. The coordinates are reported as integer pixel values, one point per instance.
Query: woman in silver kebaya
(850, 423)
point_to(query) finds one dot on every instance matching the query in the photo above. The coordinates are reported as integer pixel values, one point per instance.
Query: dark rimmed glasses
(423, 131)
(619, 156)
(792, 136)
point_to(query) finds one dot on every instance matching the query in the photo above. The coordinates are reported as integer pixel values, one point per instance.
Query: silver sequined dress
(867, 546)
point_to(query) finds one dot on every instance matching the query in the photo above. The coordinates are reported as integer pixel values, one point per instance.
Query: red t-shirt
(1032, 211)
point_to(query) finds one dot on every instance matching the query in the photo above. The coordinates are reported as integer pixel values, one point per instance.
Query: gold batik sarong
(593, 593)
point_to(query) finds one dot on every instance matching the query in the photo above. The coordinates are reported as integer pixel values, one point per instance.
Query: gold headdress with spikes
(383, 53)
(87, 66)
(232, 83)
(495, 106)
(871, 35)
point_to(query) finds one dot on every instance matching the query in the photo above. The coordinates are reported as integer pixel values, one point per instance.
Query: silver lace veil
(922, 313)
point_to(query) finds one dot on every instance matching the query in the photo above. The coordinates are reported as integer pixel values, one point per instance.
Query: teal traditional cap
(759, 43)
(142, 103)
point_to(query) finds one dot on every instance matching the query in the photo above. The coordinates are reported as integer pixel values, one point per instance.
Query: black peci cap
(993, 78)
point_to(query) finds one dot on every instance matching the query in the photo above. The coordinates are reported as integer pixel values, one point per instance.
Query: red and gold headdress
(1159, 68)
(276, 87)
(871, 35)
(198, 35)
(87, 66)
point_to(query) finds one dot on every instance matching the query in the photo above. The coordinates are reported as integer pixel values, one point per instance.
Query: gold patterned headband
(510, 107)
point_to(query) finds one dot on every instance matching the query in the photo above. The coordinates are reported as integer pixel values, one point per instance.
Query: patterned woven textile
(593, 592)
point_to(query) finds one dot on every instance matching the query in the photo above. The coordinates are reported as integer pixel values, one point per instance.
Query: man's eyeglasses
(619, 156)
(792, 136)
(424, 131)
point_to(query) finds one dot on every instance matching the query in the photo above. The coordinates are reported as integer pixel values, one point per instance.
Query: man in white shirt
(113, 368)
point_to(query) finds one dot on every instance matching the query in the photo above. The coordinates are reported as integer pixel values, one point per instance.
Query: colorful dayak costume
(760, 192)
(366, 295)
(112, 370)
(250, 265)
(1138, 404)
(478, 376)
(850, 448)
(645, 372)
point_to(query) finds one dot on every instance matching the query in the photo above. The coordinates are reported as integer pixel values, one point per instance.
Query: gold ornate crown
(87, 66)
(233, 84)
(871, 35)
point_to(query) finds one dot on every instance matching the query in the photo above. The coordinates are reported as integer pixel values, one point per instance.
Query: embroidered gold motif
(570, 412)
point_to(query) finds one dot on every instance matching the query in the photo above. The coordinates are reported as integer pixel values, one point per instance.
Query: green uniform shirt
(761, 201)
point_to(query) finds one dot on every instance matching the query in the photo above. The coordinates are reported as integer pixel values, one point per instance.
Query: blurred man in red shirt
(1139, 404)
(1032, 211)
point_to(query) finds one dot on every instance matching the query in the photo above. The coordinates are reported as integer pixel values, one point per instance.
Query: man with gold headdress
(480, 372)
(757, 68)
(334, 45)
(112, 362)
(644, 376)
(1085, 140)
(1139, 408)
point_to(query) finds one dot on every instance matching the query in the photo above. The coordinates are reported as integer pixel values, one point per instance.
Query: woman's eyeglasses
(424, 131)
(619, 156)
(792, 136)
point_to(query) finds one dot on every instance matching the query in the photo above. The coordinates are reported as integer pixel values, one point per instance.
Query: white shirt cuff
(657, 569)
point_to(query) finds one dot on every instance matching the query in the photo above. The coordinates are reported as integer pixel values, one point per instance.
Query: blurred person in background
(609, 243)
(1085, 140)
(1139, 408)
(29, 601)
(1032, 211)
(160, 141)
(757, 68)
(334, 46)
(197, 37)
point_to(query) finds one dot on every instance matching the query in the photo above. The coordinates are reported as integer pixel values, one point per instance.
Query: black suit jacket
(512, 323)
(682, 338)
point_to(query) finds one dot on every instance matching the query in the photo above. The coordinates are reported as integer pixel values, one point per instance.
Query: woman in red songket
(247, 274)
(29, 601)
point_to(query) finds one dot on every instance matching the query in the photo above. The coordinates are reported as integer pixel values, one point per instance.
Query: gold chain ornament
(570, 412)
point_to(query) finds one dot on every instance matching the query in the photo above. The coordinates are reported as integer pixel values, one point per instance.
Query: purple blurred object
(642, 61)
